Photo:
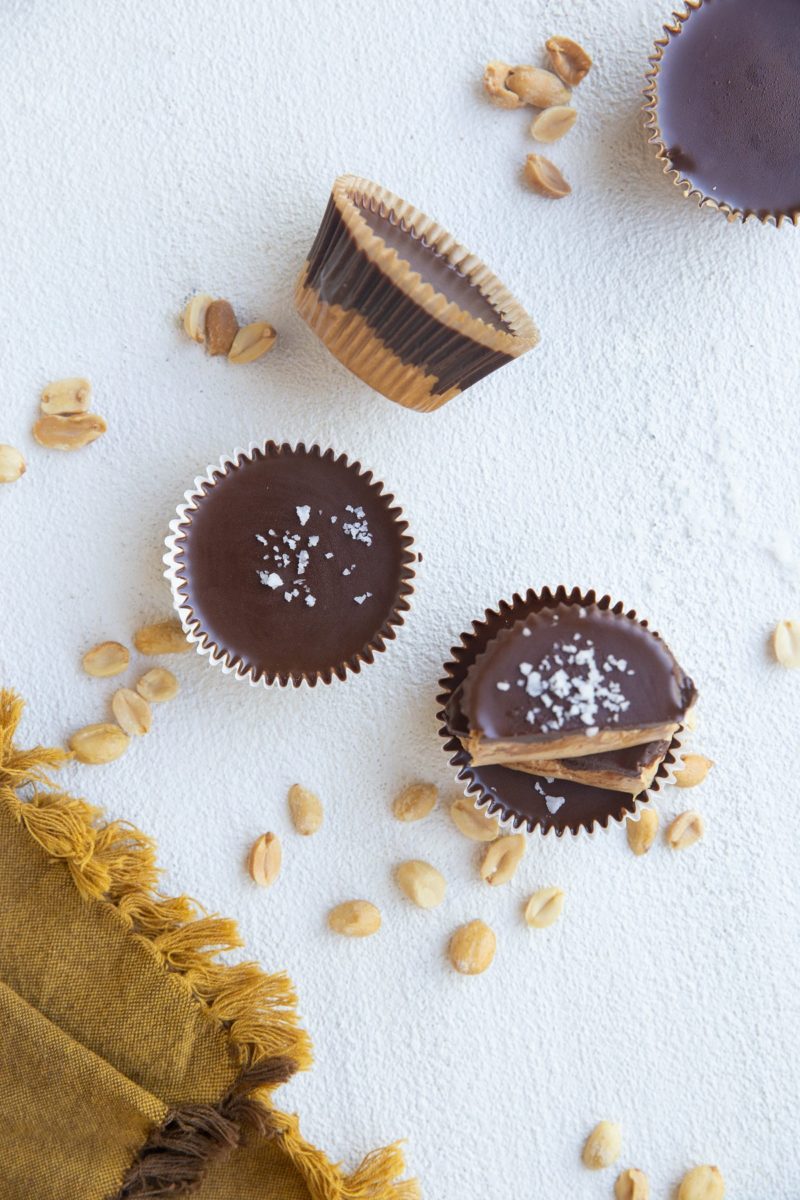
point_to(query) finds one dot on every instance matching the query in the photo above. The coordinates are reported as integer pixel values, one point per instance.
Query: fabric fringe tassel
(114, 862)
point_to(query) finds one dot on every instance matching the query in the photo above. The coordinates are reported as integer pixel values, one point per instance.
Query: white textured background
(649, 446)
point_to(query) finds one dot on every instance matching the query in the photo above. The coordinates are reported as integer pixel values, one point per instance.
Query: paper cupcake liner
(671, 30)
(485, 784)
(384, 322)
(222, 657)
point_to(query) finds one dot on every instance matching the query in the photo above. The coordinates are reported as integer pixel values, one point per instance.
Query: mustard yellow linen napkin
(134, 1063)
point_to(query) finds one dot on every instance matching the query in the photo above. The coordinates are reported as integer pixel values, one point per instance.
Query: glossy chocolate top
(572, 669)
(294, 563)
(431, 266)
(729, 102)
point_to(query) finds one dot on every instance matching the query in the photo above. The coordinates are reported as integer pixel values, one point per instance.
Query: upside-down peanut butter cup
(289, 564)
(401, 304)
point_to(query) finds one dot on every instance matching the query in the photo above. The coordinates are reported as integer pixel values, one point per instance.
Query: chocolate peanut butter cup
(401, 304)
(722, 106)
(520, 796)
(289, 564)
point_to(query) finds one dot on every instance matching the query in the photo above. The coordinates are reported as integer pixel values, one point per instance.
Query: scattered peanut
(473, 822)
(786, 643)
(105, 659)
(12, 464)
(221, 327)
(642, 833)
(553, 123)
(702, 1183)
(569, 60)
(305, 809)
(685, 830)
(537, 87)
(545, 177)
(694, 770)
(69, 432)
(602, 1146)
(355, 918)
(194, 316)
(97, 744)
(494, 84)
(251, 342)
(421, 883)
(632, 1185)
(164, 637)
(501, 859)
(264, 860)
(66, 396)
(415, 801)
(544, 907)
(131, 712)
(472, 948)
(158, 685)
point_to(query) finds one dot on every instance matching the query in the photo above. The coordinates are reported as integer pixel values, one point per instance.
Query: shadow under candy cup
(512, 795)
(401, 304)
(723, 98)
(289, 565)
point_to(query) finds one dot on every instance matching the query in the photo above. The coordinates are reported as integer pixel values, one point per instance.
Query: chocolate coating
(431, 266)
(295, 564)
(729, 103)
(570, 670)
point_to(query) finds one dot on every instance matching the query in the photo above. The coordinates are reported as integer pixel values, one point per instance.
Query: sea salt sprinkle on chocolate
(553, 803)
(296, 558)
(577, 687)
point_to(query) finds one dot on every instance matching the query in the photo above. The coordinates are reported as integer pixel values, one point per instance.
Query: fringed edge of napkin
(114, 863)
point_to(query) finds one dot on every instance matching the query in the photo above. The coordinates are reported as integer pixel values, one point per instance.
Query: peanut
(472, 821)
(66, 396)
(495, 86)
(642, 833)
(569, 60)
(472, 948)
(158, 685)
(694, 770)
(98, 744)
(264, 860)
(553, 123)
(251, 342)
(106, 659)
(355, 918)
(194, 316)
(786, 643)
(132, 712)
(602, 1146)
(537, 87)
(12, 464)
(632, 1185)
(415, 801)
(544, 907)
(545, 177)
(305, 809)
(69, 432)
(164, 637)
(702, 1183)
(685, 831)
(501, 859)
(221, 327)
(421, 883)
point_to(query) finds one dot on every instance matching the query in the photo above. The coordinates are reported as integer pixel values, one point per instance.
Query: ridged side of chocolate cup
(490, 797)
(384, 322)
(687, 187)
(219, 655)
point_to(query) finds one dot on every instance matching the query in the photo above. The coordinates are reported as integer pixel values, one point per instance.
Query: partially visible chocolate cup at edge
(289, 565)
(401, 304)
(510, 794)
(721, 106)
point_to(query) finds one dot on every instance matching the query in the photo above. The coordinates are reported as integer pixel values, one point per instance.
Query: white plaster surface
(648, 447)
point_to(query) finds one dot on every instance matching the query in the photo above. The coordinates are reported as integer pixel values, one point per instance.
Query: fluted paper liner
(490, 797)
(671, 31)
(258, 673)
(384, 322)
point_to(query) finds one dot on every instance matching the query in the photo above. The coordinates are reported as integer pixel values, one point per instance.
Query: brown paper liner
(671, 31)
(507, 793)
(384, 323)
(260, 673)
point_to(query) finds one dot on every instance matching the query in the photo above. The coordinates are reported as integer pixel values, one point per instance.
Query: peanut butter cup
(401, 304)
(289, 564)
(723, 103)
(617, 673)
